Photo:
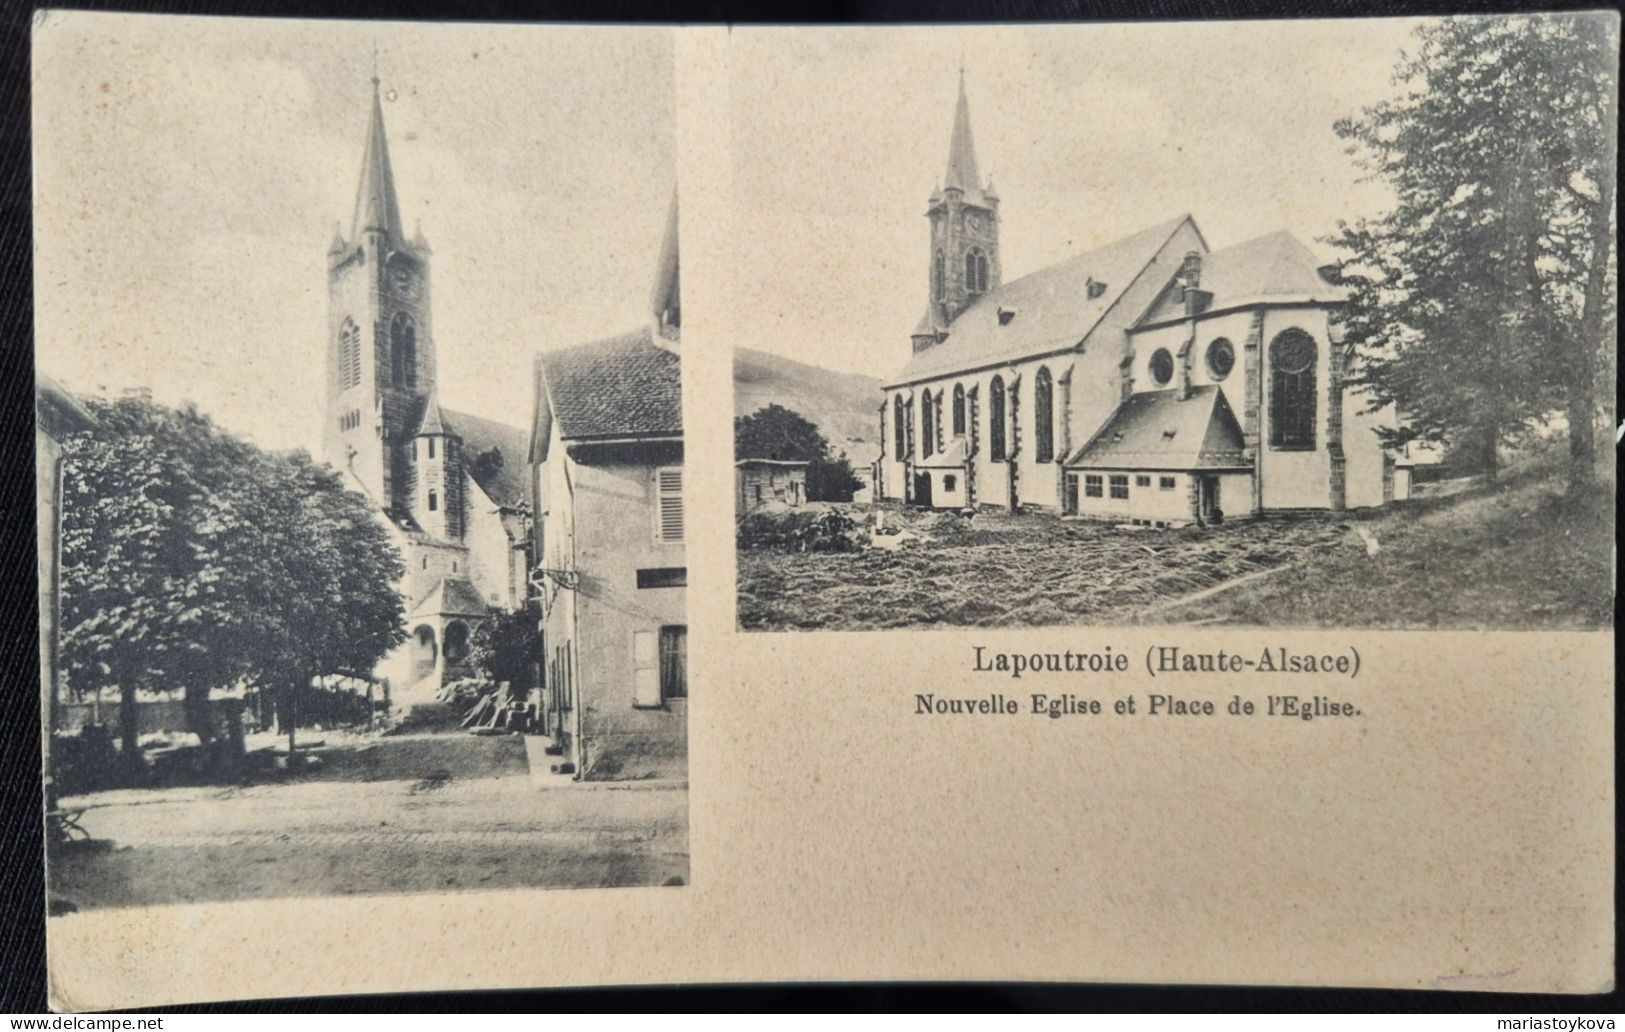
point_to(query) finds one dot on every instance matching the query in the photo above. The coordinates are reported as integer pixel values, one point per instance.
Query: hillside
(845, 406)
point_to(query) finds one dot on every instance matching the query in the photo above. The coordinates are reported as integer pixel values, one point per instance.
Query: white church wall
(1236, 495)
(1363, 451)
(1296, 479)
(1096, 381)
(488, 548)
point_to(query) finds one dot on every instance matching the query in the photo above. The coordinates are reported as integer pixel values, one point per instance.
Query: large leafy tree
(192, 560)
(776, 432)
(1482, 300)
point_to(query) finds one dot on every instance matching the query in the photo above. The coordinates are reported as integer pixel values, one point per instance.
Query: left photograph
(359, 459)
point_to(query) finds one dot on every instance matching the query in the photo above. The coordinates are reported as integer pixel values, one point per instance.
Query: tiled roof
(1156, 430)
(625, 386)
(1052, 309)
(1276, 265)
(501, 478)
(455, 596)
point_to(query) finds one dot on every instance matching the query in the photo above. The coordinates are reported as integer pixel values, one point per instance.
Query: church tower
(964, 214)
(380, 351)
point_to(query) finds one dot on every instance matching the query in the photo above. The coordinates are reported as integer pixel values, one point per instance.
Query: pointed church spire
(433, 421)
(962, 149)
(376, 207)
(665, 304)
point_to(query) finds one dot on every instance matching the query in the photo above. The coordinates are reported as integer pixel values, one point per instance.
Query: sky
(1089, 133)
(189, 173)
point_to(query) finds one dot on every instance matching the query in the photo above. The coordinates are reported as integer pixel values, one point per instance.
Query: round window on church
(1162, 367)
(1221, 358)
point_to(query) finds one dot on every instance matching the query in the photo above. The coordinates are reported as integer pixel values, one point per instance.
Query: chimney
(1125, 378)
(1185, 351)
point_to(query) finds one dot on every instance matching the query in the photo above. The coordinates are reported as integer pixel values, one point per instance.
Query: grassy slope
(845, 406)
(1521, 557)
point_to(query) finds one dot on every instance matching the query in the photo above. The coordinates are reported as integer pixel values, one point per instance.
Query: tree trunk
(1582, 400)
(199, 714)
(129, 729)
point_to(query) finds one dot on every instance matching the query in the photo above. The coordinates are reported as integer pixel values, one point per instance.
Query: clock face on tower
(973, 222)
(405, 283)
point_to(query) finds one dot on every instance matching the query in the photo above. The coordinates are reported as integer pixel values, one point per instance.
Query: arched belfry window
(899, 429)
(1044, 415)
(938, 277)
(928, 433)
(995, 419)
(349, 355)
(959, 410)
(1292, 390)
(976, 271)
(403, 351)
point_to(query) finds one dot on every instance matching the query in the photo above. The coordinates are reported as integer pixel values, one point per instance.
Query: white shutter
(645, 669)
(669, 505)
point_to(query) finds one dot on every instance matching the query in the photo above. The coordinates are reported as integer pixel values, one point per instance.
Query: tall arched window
(995, 419)
(349, 355)
(959, 410)
(976, 271)
(938, 422)
(403, 351)
(928, 436)
(939, 275)
(1044, 415)
(899, 429)
(1292, 390)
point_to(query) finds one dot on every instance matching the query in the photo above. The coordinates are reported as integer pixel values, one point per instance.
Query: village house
(1151, 381)
(758, 482)
(606, 460)
(450, 486)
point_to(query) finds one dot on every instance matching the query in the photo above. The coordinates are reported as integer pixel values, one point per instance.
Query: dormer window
(1168, 435)
(1093, 288)
(1005, 315)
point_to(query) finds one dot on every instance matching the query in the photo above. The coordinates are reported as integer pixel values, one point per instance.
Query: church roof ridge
(1054, 308)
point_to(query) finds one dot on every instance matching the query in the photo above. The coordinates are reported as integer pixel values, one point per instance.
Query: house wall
(777, 483)
(1146, 503)
(614, 517)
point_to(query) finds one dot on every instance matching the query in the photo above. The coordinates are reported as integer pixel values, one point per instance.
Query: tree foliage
(192, 560)
(1480, 300)
(504, 646)
(776, 432)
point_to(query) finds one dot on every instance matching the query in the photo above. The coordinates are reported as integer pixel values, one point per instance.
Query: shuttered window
(645, 670)
(669, 505)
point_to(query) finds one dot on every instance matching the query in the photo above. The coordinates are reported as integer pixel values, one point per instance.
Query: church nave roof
(1053, 308)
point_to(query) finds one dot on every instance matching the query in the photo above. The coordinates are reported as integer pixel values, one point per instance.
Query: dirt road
(428, 829)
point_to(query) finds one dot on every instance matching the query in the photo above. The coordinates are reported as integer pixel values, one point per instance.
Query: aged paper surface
(1453, 830)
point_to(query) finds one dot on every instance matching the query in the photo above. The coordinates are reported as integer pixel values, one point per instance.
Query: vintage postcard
(1129, 503)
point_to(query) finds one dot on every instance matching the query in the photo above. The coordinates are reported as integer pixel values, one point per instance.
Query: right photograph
(1304, 323)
